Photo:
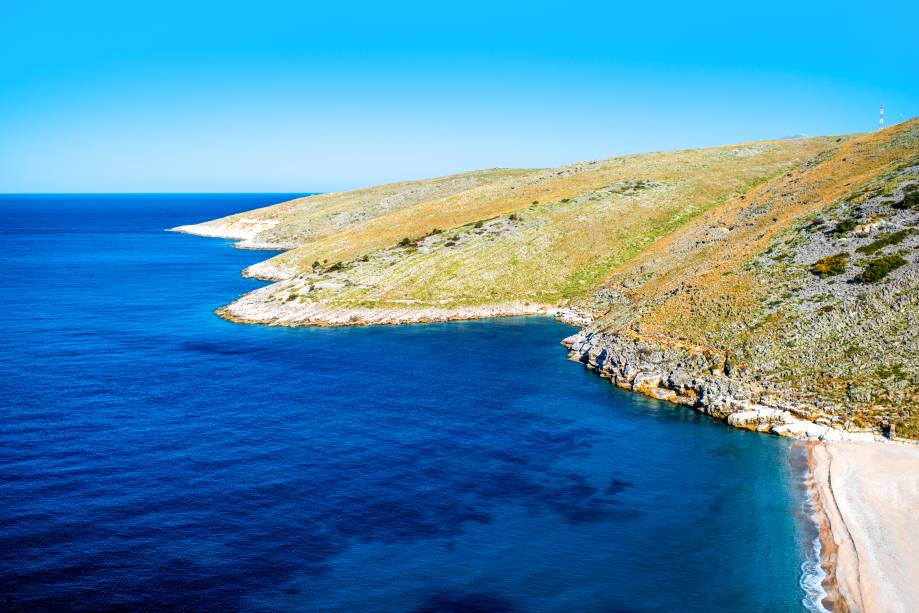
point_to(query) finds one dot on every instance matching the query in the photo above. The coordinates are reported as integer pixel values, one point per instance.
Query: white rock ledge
(245, 230)
(255, 307)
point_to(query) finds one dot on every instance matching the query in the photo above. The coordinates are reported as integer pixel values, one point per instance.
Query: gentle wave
(812, 576)
(812, 572)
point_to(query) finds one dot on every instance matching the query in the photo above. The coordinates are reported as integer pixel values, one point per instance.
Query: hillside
(770, 281)
(541, 237)
(799, 299)
(309, 220)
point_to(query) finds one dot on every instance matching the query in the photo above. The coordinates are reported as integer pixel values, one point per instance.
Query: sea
(156, 457)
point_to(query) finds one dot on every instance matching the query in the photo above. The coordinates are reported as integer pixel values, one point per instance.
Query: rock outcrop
(704, 381)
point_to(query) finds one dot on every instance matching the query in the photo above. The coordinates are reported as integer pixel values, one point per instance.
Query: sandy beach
(867, 498)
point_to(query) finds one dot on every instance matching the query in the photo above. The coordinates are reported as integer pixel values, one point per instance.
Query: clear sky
(297, 96)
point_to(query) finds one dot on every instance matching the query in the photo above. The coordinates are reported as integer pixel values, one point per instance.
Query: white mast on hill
(881, 122)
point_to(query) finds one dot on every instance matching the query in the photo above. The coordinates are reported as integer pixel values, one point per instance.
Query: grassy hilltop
(792, 260)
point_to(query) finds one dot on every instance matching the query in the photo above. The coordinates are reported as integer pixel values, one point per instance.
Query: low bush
(892, 238)
(878, 268)
(817, 223)
(910, 200)
(845, 226)
(405, 242)
(831, 265)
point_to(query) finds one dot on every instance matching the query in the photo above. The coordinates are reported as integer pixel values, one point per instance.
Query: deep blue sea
(154, 456)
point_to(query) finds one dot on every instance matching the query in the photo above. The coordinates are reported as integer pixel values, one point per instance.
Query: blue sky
(293, 96)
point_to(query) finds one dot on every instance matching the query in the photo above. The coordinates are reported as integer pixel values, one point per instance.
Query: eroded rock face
(703, 381)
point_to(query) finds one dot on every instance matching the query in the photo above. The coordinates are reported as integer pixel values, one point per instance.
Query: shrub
(878, 268)
(844, 226)
(405, 242)
(884, 240)
(536, 202)
(365, 258)
(316, 264)
(513, 217)
(896, 371)
(449, 244)
(291, 296)
(831, 265)
(817, 223)
(566, 199)
(335, 267)
(910, 200)
(479, 224)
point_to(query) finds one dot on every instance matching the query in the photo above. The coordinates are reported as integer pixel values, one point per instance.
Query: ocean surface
(154, 456)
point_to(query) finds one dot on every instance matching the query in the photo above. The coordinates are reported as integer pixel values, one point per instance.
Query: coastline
(317, 314)
(706, 382)
(868, 545)
(253, 308)
(243, 231)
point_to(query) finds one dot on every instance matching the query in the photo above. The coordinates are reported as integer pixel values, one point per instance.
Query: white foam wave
(812, 576)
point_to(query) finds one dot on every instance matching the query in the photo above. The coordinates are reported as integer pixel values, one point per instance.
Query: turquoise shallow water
(154, 456)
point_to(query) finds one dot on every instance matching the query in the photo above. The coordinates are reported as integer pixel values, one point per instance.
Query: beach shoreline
(866, 502)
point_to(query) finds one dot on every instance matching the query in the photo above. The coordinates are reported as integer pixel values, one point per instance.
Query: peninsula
(773, 285)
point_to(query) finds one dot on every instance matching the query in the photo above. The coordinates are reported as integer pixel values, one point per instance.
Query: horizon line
(203, 193)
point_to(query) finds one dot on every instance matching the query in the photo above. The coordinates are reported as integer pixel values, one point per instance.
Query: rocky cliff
(705, 381)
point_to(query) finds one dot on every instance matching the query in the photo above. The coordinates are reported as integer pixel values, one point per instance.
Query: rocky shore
(243, 230)
(252, 308)
(705, 381)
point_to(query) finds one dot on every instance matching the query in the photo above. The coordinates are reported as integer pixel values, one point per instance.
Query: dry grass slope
(740, 280)
(290, 224)
(545, 237)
